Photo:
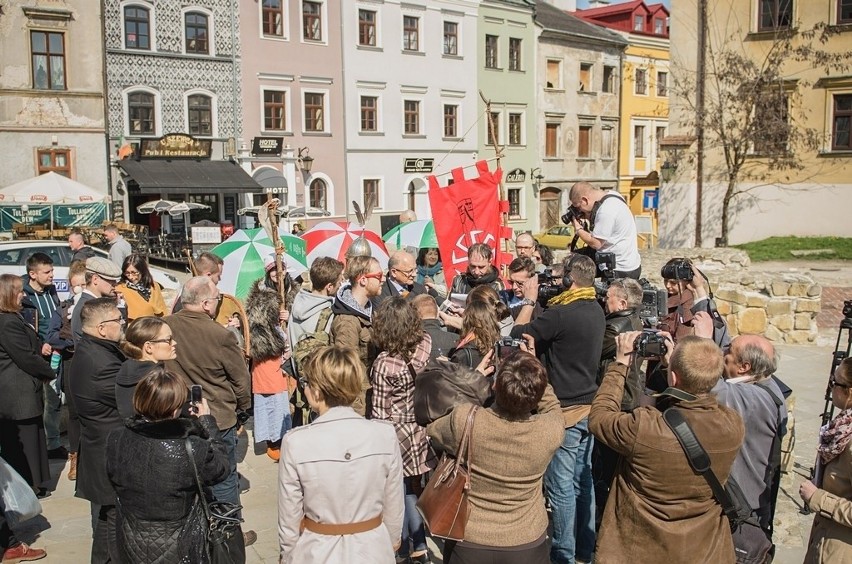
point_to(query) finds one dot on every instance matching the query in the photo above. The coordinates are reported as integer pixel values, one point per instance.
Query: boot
(72, 466)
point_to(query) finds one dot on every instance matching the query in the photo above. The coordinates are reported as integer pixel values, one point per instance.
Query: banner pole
(501, 189)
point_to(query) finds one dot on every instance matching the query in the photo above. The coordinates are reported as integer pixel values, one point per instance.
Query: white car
(14, 255)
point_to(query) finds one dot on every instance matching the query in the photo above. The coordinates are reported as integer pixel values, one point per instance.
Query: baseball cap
(104, 268)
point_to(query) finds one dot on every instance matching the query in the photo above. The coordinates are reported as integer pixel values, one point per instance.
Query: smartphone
(195, 394)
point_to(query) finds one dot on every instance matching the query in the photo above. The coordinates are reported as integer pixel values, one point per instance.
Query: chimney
(564, 5)
(598, 3)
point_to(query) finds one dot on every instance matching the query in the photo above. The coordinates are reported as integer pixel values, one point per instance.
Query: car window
(12, 256)
(60, 255)
(553, 231)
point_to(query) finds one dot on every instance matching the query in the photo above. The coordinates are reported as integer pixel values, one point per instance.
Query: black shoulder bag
(751, 544)
(224, 543)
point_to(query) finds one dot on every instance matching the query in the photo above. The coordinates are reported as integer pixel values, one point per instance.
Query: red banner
(467, 212)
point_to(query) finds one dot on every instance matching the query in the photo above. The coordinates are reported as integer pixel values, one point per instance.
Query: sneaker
(249, 538)
(22, 553)
(72, 466)
(58, 453)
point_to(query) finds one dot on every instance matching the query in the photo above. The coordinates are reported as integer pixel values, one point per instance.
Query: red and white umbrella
(332, 239)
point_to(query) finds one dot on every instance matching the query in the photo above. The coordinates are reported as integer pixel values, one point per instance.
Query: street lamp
(306, 161)
(667, 171)
(536, 176)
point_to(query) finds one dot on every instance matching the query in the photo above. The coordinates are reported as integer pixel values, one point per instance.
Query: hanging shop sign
(175, 146)
(517, 175)
(418, 165)
(267, 146)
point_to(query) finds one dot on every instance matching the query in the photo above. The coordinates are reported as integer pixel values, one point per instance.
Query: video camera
(549, 286)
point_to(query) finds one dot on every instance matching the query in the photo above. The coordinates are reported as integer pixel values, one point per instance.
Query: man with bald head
(611, 227)
(210, 357)
(524, 246)
(78, 246)
(400, 281)
(749, 388)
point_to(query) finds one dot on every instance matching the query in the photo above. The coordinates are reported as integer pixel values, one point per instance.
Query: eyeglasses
(835, 384)
(131, 273)
(517, 283)
(406, 272)
(523, 247)
(168, 340)
(303, 382)
(119, 320)
(377, 275)
(217, 299)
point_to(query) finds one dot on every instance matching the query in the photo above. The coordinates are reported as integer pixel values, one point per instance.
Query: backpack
(309, 343)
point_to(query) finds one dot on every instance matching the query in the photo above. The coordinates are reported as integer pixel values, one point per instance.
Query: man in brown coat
(208, 355)
(659, 510)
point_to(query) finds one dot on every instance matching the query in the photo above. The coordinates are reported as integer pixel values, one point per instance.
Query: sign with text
(418, 165)
(206, 235)
(516, 175)
(267, 146)
(175, 146)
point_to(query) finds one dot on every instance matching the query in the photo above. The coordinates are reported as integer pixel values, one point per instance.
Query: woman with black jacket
(159, 518)
(148, 342)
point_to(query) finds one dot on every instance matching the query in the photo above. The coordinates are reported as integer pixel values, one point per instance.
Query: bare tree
(752, 108)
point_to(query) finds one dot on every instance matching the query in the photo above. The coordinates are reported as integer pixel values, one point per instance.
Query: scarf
(834, 437)
(569, 296)
(424, 272)
(143, 291)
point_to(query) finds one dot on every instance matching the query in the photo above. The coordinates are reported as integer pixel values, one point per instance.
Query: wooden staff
(501, 189)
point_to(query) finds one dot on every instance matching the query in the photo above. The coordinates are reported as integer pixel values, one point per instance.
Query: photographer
(688, 296)
(660, 510)
(568, 337)
(613, 228)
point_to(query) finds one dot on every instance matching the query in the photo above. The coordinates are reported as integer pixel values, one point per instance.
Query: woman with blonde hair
(148, 342)
(339, 447)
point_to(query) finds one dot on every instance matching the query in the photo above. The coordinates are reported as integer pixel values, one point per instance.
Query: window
(641, 81)
(585, 77)
(48, 51)
(584, 142)
(451, 38)
(274, 110)
(607, 138)
(371, 191)
(844, 11)
(367, 28)
(639, 141)
(314, 111)
(411, 117)
(772, 118)
(195, 25)
(551, 140)
(200, 113)
(494, 128)
(662, 84)
(841, 132)
(312, 20)
(554, 74)
(515, 128)
(317, 194)
(369, 113)
(410, 33)
(638, 22)
(140, 113)
(661, 133)
(514, 195)
(137, 31)
(608, 79)
(659, 26)
(491, 48)
(54, 160)
(774, 14)
(514, 53)
(451, 120)
(273, 18)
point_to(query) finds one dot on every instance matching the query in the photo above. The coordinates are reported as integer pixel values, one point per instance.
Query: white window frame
(459, 108)
(326, 102)
(560, 62)
(329, 190)
(376, 9)
(211, 31)
(323, 23)
(498, 60)
(158, 110)
(499, 130)
(152, 28)
(421, 35)
(288, 110)
(381, 200)
(214, 111)
(522, 208)
(380, 126)
(285, 22)
(664, 71)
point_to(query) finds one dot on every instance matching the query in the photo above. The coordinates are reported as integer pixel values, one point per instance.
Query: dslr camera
(650, 344)
(570, 214)
(506, 346)
(678, 269)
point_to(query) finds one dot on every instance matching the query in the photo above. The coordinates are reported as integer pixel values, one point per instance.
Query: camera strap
(597, 206)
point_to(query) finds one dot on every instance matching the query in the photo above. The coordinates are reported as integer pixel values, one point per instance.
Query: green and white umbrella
(245, 253)
(419, 234)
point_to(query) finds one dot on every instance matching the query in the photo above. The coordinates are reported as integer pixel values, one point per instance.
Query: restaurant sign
(175, 146)
(418, 165)
(516, 175)
(267, 146)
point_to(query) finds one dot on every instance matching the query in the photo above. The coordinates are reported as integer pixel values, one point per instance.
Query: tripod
(837, 357)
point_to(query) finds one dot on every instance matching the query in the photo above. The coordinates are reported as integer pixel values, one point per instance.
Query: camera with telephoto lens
(570, 214)
(506, 346)
(549, 286)
(650, 344)
(678, 269)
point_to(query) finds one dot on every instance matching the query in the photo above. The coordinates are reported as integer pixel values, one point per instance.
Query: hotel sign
(267, 146)
(418, 165)
(175, 146)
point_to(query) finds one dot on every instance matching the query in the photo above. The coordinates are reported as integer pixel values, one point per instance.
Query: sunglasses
(377, 275)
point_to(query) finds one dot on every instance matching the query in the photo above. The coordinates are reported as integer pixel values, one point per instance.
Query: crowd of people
(571, 456)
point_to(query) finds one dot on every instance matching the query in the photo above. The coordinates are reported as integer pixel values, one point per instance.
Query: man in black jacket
(399, 281)
(568, 338)
(97, 360)
(479, 271)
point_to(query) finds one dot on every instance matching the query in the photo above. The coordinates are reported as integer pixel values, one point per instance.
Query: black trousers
(24, 447)
(7, 537)
(455, 553)
(103, 534)
(73, 427)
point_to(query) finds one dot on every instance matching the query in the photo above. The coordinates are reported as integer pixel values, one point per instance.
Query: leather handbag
(444, 502)
(443, 385)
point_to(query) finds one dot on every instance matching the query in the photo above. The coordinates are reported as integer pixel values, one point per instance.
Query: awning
(185, 176)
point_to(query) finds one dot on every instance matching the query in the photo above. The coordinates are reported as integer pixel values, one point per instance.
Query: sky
(582, 4)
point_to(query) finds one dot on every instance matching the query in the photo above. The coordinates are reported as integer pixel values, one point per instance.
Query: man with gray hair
(400, 281)
(749, 388)
(211, 357)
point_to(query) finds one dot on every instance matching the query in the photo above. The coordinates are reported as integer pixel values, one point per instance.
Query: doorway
(548, 213)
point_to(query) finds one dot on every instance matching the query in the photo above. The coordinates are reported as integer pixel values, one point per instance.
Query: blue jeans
(229, 488)
(413, 527)
(569, 486)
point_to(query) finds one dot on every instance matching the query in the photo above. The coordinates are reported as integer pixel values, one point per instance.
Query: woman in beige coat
(340, 480)
(830, 494)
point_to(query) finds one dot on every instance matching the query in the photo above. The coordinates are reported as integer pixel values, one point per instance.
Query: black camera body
(570, 214)
(650, 344)
(549, 286)
(506, 346)
(847, 309)
(678, 269)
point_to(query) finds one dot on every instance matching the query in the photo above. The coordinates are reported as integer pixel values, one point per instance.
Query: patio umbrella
(332, 239)
(244, 253)
(418, 234)
(50, 189)
(183, 208)
(156, 206)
